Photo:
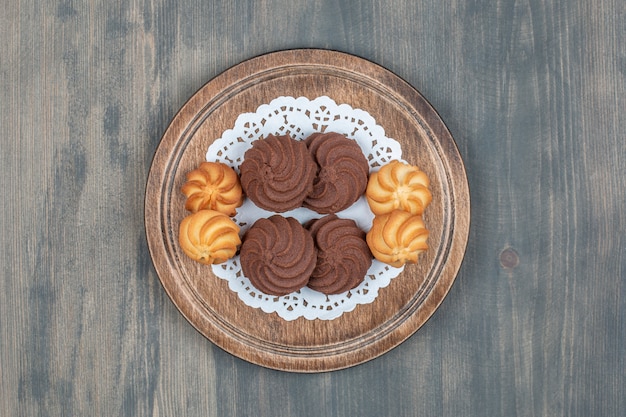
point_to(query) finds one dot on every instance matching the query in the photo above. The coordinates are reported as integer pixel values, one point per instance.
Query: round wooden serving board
(369, 330)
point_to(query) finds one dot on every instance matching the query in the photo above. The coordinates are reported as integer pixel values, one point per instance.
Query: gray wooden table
(533, 92)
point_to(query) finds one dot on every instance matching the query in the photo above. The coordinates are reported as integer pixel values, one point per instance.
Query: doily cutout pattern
(301, 117)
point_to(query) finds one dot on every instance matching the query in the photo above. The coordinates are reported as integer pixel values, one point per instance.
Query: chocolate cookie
(277, 173)
(278, 255)
(342, 175)
(343, 256)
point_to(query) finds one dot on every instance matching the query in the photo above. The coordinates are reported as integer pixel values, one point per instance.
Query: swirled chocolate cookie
(342, 175)
(343, 256)
(277, 173)
(278, 255)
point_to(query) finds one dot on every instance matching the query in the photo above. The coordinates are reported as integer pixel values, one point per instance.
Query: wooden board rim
(353, 351)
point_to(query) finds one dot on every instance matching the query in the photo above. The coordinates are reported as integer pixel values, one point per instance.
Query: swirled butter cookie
(398, 186)
(209, 237)
(213, 186)
(397, 238)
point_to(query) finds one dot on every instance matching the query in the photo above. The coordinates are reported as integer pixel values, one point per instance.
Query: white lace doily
(300, 117)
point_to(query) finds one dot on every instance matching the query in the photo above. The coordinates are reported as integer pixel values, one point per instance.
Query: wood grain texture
(532, 92)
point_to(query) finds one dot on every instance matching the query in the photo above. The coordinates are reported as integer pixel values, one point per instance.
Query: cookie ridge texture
(277, 173)
(278, 255)
(397, 238)
(398, 185)
(209, 237)
(343, 257)
(342, 174)
(213, 186)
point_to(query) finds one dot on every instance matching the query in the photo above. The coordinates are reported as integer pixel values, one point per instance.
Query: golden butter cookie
(209, 237)
(397, 238)
(213, 186)
(398, 186)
